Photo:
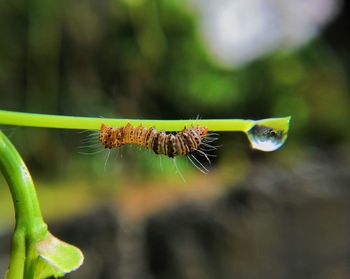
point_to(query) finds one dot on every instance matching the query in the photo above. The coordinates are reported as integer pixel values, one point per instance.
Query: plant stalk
(30, 226)
(94, 123)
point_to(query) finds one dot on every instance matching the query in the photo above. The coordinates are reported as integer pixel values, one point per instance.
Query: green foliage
(56, 258)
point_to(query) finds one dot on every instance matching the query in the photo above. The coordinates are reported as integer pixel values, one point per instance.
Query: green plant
(35, 252)
(38, 254)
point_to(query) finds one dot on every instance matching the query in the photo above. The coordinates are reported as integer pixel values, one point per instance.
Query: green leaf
(56, 258)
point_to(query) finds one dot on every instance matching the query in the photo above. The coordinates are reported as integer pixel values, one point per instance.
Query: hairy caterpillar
(187, 142)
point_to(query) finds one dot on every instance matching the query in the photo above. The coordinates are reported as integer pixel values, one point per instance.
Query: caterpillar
(187, 142)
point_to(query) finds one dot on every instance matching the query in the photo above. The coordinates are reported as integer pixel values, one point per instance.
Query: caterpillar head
(109, 136)
(106, 135)
(202, 131)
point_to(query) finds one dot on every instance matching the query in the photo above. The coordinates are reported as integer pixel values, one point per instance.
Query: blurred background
(284, 214)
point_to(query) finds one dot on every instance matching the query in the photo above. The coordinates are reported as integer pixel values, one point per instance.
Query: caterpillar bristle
(203, 169)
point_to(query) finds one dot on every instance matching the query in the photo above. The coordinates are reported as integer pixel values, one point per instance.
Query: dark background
(255, 215)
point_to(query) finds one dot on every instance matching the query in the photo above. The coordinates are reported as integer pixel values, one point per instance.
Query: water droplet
(269, 134)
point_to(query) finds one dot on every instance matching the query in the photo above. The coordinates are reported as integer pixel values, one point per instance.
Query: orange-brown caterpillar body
(182, 143)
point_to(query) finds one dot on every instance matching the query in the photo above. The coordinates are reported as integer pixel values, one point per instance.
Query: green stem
(30, 226)
(94, 123)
